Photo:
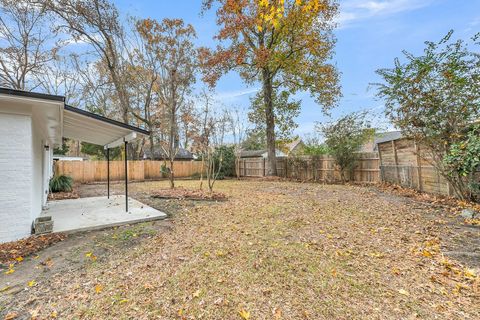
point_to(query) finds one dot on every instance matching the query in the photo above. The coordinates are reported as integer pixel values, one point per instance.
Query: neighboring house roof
(387, 136)
(371, 145)
(259, 153)
(294, 144)
(158, 153)
(251, 153)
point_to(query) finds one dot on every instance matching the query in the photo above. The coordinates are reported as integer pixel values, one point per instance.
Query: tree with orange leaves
(286, 44)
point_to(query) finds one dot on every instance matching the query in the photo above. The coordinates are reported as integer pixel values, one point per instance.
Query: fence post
(419, 166)
(286, 168)
(380, 164)
(264, 167)
(396, 161)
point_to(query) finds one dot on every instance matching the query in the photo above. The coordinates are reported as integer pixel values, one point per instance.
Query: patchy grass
(274, 250)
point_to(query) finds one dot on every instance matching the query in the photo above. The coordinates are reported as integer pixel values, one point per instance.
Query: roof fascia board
(35, 95)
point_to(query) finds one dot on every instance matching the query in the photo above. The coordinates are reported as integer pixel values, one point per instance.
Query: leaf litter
(278, 250)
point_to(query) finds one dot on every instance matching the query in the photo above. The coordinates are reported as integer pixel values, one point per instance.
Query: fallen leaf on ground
(10, 271)
(98, 288)
(376, 255)
(469, 273)
(197, 293)
(404, 292)
(18, 250)
(244, 314)
(11, 316)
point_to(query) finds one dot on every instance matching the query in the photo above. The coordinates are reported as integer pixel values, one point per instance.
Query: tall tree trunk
(172, 177)
(201, 171)
(270, 121)
(152, 149)
(122, 96)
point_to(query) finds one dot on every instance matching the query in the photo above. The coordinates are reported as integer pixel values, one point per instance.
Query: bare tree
(96, 89)
(25, 44)
(143, 72)
(238, 128)
(59, 77)
(172, 43)
(206, 126)
(96, 22)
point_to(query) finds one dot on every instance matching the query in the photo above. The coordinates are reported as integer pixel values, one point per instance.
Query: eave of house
(57, 120)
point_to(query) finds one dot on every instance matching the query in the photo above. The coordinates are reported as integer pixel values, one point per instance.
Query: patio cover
(89, 127)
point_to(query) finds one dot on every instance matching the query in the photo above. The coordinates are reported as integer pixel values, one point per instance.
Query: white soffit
(88, 127)
(46, 114)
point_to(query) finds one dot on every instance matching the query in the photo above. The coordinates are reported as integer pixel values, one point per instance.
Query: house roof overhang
(90, 127)
(58, 120)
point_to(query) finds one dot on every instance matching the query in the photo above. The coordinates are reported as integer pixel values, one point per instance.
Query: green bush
(164, 171)
(61, 184)
(225, 155)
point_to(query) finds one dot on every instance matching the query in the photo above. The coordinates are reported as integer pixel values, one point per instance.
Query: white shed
(31, 125)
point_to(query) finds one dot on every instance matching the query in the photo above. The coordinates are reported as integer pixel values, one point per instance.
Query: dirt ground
(274, 250)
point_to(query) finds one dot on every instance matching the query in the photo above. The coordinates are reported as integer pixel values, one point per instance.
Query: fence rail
(138, 170)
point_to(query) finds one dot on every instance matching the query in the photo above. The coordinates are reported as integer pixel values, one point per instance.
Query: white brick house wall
(39, 177)
(15, 176)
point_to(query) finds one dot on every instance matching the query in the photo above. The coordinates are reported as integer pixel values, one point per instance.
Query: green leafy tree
(433, 98)
(344, 139)
(98, 152)
(285, 111)
(63, 150)
(255, 140)
(284, 44)
(463, 159)
(313, 146)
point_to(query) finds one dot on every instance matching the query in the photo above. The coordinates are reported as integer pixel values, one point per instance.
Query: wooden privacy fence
(406, 163)
(308, 168)
(138, 170)
(401, 162)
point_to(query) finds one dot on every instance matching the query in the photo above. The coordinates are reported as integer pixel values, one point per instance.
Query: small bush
(164, 171)
(61, 184)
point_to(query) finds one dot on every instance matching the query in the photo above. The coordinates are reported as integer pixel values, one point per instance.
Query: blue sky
(370, 35)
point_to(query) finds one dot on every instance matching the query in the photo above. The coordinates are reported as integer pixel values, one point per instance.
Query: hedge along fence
(309, 168)
(138, 170)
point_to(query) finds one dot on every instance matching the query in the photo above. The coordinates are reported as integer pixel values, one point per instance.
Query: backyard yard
(272, 250)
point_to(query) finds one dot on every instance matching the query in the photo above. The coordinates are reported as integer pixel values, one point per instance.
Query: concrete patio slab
(97, 213)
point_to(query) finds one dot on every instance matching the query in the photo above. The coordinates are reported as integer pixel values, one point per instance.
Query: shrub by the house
(61, 183)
